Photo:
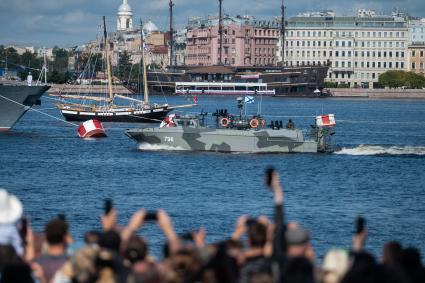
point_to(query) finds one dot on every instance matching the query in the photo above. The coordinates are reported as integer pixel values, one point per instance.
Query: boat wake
(382, 150)
(158, 147)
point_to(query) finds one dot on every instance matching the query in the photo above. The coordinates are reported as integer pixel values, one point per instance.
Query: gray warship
(235, 134)
(15, 100)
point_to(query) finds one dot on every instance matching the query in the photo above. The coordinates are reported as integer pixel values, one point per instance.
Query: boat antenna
(142, 46)
(108, 64)
(171, 5)
(282, 32)
(220, 31)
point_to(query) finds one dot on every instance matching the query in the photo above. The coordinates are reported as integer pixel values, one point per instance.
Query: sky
(68, 23)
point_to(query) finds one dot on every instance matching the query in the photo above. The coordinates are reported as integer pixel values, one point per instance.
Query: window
(413, 65)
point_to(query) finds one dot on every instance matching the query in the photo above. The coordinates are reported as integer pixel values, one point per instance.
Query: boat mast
(145, 81)
(282, 33)
(45, 65)
(108, 65)
(171, 33)
(220, 31)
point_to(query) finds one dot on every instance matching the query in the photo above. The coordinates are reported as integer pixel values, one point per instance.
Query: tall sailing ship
(106, 108)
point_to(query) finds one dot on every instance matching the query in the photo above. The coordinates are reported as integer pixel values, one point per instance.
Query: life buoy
(254, 123)
(224, 122)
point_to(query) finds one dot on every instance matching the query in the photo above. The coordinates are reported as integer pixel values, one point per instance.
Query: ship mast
(108, 64)
(220, 32)
(145, 81)
(282, 32)
(171, 33)
(45, 65)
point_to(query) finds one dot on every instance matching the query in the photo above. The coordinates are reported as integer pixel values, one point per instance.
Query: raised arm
(279, 241)
(164, 222)
(136, 221)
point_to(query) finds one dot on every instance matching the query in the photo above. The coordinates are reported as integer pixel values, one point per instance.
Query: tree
(395, 79)
(10, 56)
(124, 66)
(60, 62)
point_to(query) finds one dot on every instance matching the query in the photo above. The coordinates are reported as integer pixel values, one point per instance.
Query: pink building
(246, 42)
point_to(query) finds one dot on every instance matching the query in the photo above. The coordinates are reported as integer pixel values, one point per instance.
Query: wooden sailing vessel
(106, 109)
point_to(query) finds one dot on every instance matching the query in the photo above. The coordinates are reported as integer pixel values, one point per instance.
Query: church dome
(125, 8)
(150, 27)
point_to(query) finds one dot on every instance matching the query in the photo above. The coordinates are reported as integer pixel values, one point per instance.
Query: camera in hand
(23, 229)
(108, 205)
(151, 216)
(188, 236)
(360, 224)
(269, 175)
(251, 221)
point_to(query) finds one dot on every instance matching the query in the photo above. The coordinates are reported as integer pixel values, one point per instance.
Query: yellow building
(417, 58)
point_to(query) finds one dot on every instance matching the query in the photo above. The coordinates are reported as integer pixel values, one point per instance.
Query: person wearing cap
(10, 213)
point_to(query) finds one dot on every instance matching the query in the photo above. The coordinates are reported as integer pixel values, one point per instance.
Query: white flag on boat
(249, 99)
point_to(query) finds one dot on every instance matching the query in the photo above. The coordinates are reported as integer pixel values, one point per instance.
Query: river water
(378, 173)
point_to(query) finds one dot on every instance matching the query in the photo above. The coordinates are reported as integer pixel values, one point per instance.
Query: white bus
(220, 88)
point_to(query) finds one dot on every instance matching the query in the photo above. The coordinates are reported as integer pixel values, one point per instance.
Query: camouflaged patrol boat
(235, 134)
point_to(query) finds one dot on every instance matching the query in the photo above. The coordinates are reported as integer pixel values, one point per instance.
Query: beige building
(358, 49)
(417, 58)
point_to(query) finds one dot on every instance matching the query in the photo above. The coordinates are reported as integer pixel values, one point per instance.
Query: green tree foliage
(30, 63)
(331, 85)
(396, 79)
(60, 63)
(124, 66)
(58, 77)
(9, 56)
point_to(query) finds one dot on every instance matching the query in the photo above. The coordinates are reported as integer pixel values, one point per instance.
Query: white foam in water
(157, 147)
(381, 150)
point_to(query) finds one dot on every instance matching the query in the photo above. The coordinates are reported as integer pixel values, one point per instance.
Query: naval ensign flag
(249, 99)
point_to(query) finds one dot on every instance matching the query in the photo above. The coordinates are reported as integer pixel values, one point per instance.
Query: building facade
(417, 31)
(417, 58)
(358, 49)
(246, 42)
(180, 45)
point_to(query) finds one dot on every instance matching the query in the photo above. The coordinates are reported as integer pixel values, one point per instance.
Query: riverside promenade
(378, 93)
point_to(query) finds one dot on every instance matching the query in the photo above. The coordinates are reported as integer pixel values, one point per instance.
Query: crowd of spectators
(260, 250)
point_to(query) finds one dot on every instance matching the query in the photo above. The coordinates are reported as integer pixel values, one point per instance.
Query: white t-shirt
(9, 236)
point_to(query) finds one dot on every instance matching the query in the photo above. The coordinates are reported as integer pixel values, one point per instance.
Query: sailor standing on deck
(290, 125)
(29, 79)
